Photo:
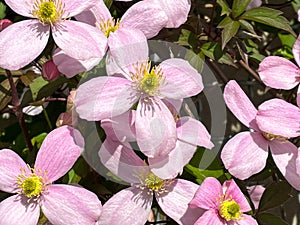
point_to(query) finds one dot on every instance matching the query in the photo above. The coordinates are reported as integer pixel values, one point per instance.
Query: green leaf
(227, 20)
(248, 26)
(49, 88)
(196, 60)
(268, 218)
(36, 86)
(225, 7)
(108, 3)
(2, 10)
(287, 40)
(229, 31)
(187, 38)
(271, 197)
(239, 6)
(201, 174)
(215, 52)
(38, 140)
(270, 17)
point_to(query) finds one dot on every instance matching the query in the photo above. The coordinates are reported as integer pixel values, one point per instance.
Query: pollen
(229, 210)
(108, 26)
(272, 137)
(48, 11)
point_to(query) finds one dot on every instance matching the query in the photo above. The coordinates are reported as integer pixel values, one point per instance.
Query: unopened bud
(4, 23)
(50, 71)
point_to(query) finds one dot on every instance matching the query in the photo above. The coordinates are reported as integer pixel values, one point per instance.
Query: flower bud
(4, 23)
(50, 71)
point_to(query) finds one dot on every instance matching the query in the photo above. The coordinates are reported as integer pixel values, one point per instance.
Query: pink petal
(233, 191)
(177, 11)
(182, 80)
(255, 193)
(59, 151)
(239, 104)
(130, 206)
(296, 48)
(243, 148)
(17, 51)
(247, 220)
(126, 46)
(278, 72)
(122, 161)
(70, 66)
(155, 128)
(173, 104)
(80, 40)
(15, 210)
(207, 194)
(210, 217)
(298, 96)
(175, 202)
(120, 128)
(73, 204)
(285, 155)
(254, 4)
(11, 164)
(104, 97)
(146, 17)
(20, 7)
(193, 132)
(279, 117)
(74, 7)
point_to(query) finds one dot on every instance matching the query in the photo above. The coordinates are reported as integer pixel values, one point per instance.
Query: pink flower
(273, 123)
(107, 97)
(132, 205)
(191, 133)
(4, 23)
(278, 72)
(50, 71)
(223, 205)
(28, 38)
(255, 193)
(60, 203)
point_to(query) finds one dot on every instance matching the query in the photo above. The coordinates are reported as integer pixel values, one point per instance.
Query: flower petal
(80, 40)
(210, 217)
(246, 220)
(70, 66)
(180, 193)
(11, 164)
(239, 104)
(15, 210)
(278, 72)
(177, 11)
(207, 194)
(255, 193)
(70, 203)
(126, 47)
(155, 128)
(104, 97)
(182, 80)
(146, 17)
(59, 151)
(95, 14)
(122, 161)
(285, 155)
(298, 96)
(254, 4)
(233, 191)
(130, 206)
(296, 49)
(21, 7)
(278, 117)
(243, 148)
(16, 53)
(74, 7)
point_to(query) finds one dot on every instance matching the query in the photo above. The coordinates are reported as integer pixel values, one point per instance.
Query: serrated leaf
(225, 7)
(239, 6)
(36, 86)
(2, 10)
(229, 31)
(268, 16)
(271, 199)
(268, 218)
(5, 95)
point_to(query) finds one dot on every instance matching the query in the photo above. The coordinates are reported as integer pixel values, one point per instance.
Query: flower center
(30, 184)
(153, 182)
(272, 137)
(148, 81)
(107, 26)
(48, 11)
(229, 210)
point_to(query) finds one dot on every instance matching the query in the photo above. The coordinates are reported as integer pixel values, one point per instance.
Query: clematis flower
(190, 134)
(246, 147)
(132, 205)
(34, 190)
(106, 97)
(280, 73)
(223, 205)
(28, 38)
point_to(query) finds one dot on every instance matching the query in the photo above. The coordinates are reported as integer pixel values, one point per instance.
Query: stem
(18, 110)
(47, 118)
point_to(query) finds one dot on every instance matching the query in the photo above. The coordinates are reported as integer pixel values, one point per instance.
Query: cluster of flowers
(139, 103)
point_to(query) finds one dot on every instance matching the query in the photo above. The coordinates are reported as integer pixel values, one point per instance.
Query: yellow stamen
(272, 137)
(107, 26)
(229, 210)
